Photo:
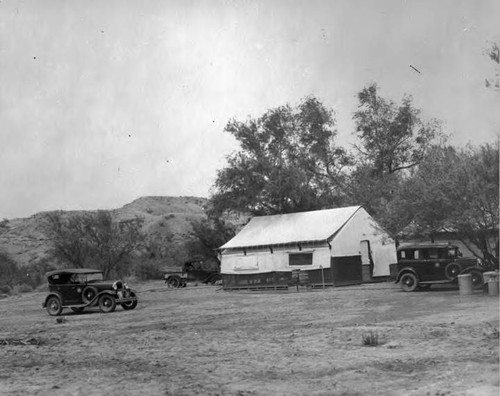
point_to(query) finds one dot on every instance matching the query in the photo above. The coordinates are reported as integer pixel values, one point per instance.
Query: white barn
(335, 246)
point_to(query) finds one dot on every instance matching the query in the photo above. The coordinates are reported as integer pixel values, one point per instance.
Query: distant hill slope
(167, 224)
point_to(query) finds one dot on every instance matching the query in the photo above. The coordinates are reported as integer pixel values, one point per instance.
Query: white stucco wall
(346, 243)
(265, 261)
(362, 227)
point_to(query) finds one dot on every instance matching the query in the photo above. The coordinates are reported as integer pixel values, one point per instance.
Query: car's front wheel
(409, 282)
(54, 306)
(130, 304)
(477, 279)
(107, 303)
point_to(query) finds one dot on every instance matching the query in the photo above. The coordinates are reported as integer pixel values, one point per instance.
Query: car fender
(56, 294)
(94, 301)
(172, 276)
(102, 293)
(404, 271)
(468, 270)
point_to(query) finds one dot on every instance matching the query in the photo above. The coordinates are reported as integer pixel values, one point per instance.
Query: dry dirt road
(205, 341)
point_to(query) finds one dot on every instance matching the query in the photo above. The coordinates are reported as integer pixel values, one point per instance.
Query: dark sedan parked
(420, 266)
(80, 288)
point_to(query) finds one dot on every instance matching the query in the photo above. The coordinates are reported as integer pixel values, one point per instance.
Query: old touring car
(81, 288)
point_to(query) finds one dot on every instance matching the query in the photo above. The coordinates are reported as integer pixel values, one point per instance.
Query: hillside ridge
(167, 222)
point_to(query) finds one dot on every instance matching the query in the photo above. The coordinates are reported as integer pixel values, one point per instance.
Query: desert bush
(21, 288)
(148, 270)
(94, 239)
(370, 338)
(35, 275)
(5, 289)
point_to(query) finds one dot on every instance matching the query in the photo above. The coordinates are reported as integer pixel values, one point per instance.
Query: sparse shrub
(149, 210)
(491, 332)
(148, 270)
(21, 288)
(370, 338)
(5, 289)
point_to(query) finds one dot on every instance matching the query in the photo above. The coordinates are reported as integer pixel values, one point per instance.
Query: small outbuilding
(334, 247)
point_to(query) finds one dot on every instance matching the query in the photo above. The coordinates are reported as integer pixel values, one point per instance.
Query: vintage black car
(421, 266)
(81, 288)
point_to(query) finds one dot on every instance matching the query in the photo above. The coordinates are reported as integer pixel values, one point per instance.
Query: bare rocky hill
(167, 224)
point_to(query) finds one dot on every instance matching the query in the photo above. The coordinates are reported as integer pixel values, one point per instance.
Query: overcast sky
(102, 102)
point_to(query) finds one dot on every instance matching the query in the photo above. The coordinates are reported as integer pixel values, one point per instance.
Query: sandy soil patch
(205, 341)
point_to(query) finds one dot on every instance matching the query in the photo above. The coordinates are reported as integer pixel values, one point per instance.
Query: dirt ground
(206, 341)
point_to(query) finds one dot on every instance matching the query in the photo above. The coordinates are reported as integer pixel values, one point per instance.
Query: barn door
(366, 260)
(346, 270)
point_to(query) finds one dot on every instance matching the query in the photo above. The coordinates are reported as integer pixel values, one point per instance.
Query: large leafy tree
(393, 137)
(94, 240)
(393, 140)
(211, 233)
(456, 190)
(9, 270)
(288, 161)
(494, 54)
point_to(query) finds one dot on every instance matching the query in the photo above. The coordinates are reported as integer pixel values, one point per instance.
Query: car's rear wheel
(477, 279)
(452, 270)
(130, 304)
(173, 283)
(54, 306)
(77, 309)
(409, 282)
(107, 303)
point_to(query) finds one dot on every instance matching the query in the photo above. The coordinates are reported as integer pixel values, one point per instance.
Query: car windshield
(84, 278)
(93, 277)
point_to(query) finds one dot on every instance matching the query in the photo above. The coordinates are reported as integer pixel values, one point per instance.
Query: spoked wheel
(173, 283)
(477, 279)
(409, 282)
(54, 306)
(77, 309)
(88, 294)
(130, 304)
(452, 270)
(107, 303)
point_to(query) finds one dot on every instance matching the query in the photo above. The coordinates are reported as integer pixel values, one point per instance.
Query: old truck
(196, 270)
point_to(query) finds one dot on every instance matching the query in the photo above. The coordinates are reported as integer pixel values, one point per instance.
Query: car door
(70, 289)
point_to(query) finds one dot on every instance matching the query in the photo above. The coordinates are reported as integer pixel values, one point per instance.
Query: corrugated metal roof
(318, 225)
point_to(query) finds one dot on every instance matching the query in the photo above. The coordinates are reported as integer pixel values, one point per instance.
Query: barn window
(300, 259)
